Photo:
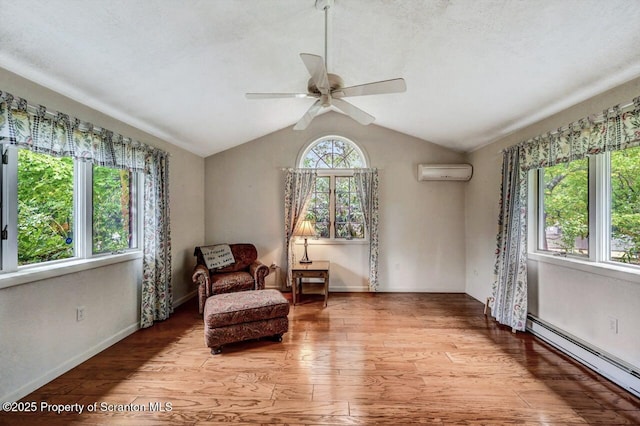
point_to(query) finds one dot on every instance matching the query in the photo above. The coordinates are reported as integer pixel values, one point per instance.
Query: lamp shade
(305, 229)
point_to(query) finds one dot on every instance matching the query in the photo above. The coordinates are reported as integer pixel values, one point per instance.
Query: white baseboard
(608, 366)
(348, 289)
(79, 359)
(185, 298)
(69, 364)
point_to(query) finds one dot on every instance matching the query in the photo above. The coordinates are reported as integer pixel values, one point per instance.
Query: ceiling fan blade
(353, 111)
(396, 85)
(278, 95)
(310, 114)
(317, 71)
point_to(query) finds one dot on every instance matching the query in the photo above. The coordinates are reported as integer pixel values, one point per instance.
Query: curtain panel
(509, 290)
(157, 292)
(297, 192)
(55, 133)
(367, 187)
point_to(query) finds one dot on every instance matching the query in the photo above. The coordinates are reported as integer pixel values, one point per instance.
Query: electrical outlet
(613, 325)
(80, 313)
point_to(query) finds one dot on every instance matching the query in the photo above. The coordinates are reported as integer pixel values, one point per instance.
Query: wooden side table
(317, 269)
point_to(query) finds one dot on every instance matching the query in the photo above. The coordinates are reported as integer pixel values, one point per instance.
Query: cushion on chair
(244, 255)
(232, 281)
(244, 307)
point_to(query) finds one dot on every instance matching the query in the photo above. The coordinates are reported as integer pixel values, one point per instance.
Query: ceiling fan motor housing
(335, 83)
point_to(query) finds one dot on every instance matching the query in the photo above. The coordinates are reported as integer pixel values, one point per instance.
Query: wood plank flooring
(365, 359)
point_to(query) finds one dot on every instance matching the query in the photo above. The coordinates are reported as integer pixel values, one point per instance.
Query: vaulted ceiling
(475, 69)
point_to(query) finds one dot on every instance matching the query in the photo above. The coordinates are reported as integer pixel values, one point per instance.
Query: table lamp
(306, 229)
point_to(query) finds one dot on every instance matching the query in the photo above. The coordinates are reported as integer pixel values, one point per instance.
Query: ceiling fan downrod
(325, 5)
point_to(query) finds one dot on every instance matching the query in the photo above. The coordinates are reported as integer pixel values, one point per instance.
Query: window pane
(318, 210)
(45, 207)
(625, 205)
(566, 208)
(349, 218)
(112, 221)
(333, 154)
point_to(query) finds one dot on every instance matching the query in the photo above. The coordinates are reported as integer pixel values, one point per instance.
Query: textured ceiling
(475, 69)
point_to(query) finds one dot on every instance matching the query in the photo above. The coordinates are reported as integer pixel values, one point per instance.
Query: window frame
(332, 173)
(135, 199)
(599, 260)
(13, 274)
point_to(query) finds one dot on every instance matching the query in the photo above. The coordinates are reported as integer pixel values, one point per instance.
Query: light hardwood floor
(365, 359)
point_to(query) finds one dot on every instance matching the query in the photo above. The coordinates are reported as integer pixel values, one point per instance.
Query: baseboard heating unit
(602, 363)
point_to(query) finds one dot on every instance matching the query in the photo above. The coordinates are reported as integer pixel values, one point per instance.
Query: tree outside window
(566, 208)
(45, 208)
(625, 206)
(112, 226)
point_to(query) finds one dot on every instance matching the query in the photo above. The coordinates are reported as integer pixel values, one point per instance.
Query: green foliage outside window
(349, 217)
(111, 210)
(45, 207)
(566, 207)
(318, 211)
(625, 205)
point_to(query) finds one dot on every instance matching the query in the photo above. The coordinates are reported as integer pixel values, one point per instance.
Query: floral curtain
(297, 191)
(509, 291)
(615, 129)
(367, 186)
(56, 133)
(157, 294)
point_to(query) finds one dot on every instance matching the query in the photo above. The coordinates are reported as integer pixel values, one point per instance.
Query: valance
(55, 133)
(615, 129)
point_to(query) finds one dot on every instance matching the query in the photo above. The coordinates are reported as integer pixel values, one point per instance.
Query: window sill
(37, 273)
(329, 242)
(608, 270)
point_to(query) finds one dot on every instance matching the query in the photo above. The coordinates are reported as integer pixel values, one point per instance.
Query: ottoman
(234, 317)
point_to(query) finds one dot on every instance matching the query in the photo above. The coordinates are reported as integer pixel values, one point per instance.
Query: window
(58, 209)
(591, 207)
(334, 206)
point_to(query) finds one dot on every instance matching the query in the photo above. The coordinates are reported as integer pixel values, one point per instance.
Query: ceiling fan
(329, 88)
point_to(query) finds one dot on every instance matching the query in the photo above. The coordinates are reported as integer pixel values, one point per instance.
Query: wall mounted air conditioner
(459, 172)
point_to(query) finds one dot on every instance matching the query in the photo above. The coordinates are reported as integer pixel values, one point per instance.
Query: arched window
(335, 206)
(333, 152)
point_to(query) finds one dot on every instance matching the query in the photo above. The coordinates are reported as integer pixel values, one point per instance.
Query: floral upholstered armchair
(240, 271)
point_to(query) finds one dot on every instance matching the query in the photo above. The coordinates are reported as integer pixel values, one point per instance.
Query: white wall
(575, 301)
(39, 335)
(421, 237)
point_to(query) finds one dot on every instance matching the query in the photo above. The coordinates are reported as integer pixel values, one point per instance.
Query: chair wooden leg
(216, 350)
(486, 305)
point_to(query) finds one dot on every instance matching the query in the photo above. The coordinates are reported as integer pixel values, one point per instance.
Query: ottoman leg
(277, 337)
(216, 350)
